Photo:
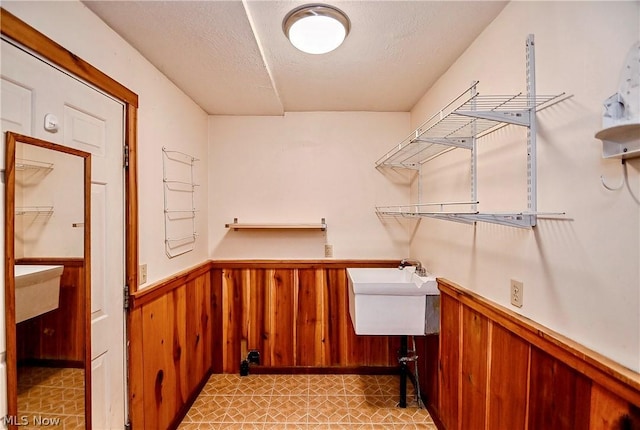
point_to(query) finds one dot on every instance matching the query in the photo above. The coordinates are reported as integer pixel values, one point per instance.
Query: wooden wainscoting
(499, 370)
(57, 337)
(170, 352)
(296, 314)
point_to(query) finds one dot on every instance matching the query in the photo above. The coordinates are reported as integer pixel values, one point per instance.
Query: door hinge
(126, 156)
(126, 297)
(127, 426)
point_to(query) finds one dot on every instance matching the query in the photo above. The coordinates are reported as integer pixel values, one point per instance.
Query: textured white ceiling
(232, 58)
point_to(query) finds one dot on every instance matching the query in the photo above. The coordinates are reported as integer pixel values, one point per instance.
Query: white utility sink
(389, 301)
(37, 290)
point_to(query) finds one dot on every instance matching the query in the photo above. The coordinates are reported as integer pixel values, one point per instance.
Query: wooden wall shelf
(322, 225)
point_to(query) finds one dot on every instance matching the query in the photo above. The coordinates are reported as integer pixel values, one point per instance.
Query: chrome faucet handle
(421, 271)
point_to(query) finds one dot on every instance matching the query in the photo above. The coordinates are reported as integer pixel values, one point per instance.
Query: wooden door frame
(22, 33)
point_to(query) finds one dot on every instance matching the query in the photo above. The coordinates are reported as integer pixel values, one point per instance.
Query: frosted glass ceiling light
(316, 28)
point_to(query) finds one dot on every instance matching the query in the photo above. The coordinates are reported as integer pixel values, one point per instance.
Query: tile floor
(310, 402)
(50, 397)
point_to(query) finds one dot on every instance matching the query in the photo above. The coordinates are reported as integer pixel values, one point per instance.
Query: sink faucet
(420, 270)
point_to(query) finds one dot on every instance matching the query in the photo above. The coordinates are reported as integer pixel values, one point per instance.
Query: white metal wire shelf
(469, 116)
(22, 165)
(464, 120)
(447, 211)
(34, 210)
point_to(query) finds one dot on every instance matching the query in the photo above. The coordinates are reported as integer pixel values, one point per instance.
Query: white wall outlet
(328, 251)
(517, 291)
(142, 274)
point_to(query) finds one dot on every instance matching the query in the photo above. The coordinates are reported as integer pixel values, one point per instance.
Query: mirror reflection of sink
(37, 290)
(389, 301)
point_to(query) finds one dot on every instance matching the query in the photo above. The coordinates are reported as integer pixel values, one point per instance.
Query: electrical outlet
(517, 291)
(328, 251)
(142, 274)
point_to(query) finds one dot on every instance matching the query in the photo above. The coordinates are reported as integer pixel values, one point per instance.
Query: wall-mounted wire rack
(37, 169)
(34, 210)
(23, 165)
(179, 202)
(467, 118)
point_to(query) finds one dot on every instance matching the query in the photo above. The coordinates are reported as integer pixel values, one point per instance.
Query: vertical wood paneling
(427, 348)
(559, 396)
(170, 351)
(157, 354)
(136, 368)
(309, 318)
(217, 304)
(258, 304)
(232, 319)
(280, 346)
(474, 370)
(449, 361)
(338, 321)
(198, 330)
(610, 412)
(181, 361)
(508, 380)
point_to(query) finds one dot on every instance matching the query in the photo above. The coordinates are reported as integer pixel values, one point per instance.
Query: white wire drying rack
(179, 202)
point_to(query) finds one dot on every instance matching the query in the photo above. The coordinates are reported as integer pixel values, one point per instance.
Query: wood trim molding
(160, 288)
(300, 264)
(62, 261)
(602, 370)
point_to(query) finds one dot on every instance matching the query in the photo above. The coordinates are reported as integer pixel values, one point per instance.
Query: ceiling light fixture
(316, 28)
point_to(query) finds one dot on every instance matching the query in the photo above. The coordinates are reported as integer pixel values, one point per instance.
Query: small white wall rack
(622, 141)
(459, 125)
(23, 165)
(235, 225)
(33, 168)
(179, 202)
(34, 210)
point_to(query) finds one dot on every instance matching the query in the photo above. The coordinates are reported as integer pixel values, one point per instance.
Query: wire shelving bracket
(459, 125)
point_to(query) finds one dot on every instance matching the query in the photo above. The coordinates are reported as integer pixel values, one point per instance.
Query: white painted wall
(166, 117)
(580, 275)
(299, 168)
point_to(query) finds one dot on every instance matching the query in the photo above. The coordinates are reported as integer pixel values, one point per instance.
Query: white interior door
(92, 122)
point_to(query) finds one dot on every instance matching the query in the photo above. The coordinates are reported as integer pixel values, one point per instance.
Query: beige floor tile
(288, 409)
(51, 397)
(248, 409)
(308, 402)
(209, 409)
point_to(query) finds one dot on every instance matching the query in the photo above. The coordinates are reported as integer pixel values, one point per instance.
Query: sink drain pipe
(405, 373)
